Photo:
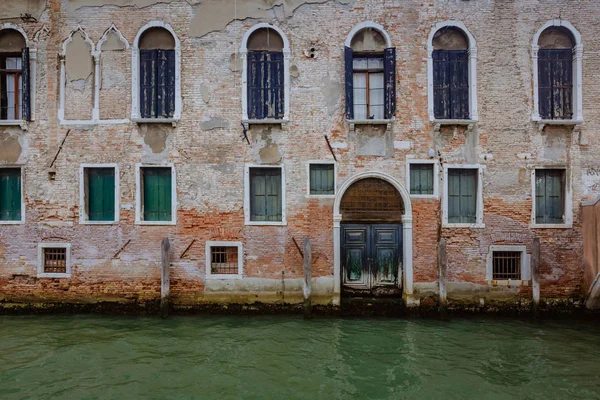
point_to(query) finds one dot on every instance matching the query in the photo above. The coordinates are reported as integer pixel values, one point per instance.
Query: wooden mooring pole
(307, 286)
(164, 277)
(443, 299)
(535, 277)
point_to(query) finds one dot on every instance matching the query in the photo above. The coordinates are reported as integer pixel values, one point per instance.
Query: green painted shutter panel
(454, 196)
(322, 179)
(157, 194)
(549, 196)
(10, 194)
(421, 178)
(265, 194)
(101, 194)
(468, 195)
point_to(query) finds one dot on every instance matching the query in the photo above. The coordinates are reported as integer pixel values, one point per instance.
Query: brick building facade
(484, 156)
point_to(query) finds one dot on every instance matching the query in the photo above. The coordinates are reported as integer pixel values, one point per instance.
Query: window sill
(462, 225)
(53, 275)
(438, 123)
(13, 222)
(266, 223)
(551, 226)
(172, 121)
(424, 196)
(508, 282)
(266, 121)
(14, 122)
(222, 277)
(86, 222)
(156, 223)
(559, 122)
(387, 122)
(320, 196)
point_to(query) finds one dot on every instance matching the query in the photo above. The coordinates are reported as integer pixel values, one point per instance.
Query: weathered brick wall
(209, 154)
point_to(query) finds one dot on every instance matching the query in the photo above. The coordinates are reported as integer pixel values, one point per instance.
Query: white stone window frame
(286, 76)
(32, 77)
(568, 198)
(22, 220)
(138, 194)
(209, 245)
(388, 43)
(83, 217)
(135, 76)
(247, 209)
(479, 218)
(473, 109)
(525, 266)
(335, 171)
(40, 263)
(436, 177)
(577, 76)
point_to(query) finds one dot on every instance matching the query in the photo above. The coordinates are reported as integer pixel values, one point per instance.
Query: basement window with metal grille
(224, 259)
(54, 260)
(506, 265)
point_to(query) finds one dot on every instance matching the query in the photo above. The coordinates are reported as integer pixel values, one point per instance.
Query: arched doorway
(373, 237)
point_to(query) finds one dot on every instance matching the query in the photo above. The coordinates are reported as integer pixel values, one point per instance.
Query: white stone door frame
(407, 246)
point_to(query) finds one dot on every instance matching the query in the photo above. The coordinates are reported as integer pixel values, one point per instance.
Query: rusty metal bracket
(298, 247)
(245, 132)
(60, 148)
(121, 249)
(187, 248)
(330, 148)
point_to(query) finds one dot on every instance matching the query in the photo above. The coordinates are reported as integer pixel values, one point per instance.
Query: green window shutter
(462, 196)
(101, 194)
(265, 194)
(157, 194)
(421, 178)
(322, 179)
(10, 194)
(549, 196)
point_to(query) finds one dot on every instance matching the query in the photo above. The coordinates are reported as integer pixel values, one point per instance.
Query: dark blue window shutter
(441, 84)
(148, 89)
(459, 88)
(349, 77)
(555, 83)
(166, 83)
(25, 78)
(265, 85)
(390, 82)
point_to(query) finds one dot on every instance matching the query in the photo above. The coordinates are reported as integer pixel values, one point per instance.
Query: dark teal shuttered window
(462, 195)
(157, 194)
(451, 84)
(265, 85)
(157, 83)
(421, 178)
(549, 196)
(265, 194)
(100, 194)
(322, 180)
(10, 194)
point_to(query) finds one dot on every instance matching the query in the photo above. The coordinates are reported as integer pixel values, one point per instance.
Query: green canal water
(256, 357)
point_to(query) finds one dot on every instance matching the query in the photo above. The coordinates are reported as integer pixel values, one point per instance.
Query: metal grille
(55, 260)
(224, 260)
(372, 199)
(507, 265)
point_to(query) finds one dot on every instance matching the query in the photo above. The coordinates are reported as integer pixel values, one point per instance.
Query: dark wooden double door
(371, 259)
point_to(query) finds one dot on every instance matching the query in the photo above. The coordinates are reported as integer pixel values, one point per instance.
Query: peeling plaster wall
(209, 152)
(79, 84)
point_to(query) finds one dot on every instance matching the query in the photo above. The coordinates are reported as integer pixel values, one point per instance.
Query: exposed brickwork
(210, 162)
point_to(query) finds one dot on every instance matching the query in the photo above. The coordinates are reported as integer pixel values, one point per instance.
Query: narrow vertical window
(462, 195)
(54, 260)
(322, 179)
(450, 74)
(555, 73)
(265, 194)
(549, 196)
(156, 194)
(100, 193)
(370, 77)
(265, 75)
(10, 194)
(421, 179)
(14, 76)
(157, 74)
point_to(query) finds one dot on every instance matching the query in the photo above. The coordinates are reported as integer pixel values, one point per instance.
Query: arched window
(156, 74)
(265, 77)
(370, 73)
(14, 75)
(451, 67)
(557, 72)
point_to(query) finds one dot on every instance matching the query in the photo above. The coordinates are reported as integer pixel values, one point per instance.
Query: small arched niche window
(370, 74)
(14, 76)
(558, 72)
(265, 83)
(157, 87)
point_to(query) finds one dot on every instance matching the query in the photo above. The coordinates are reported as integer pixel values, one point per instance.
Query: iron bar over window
(506, 265)
(224, 260)
(55, 260)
